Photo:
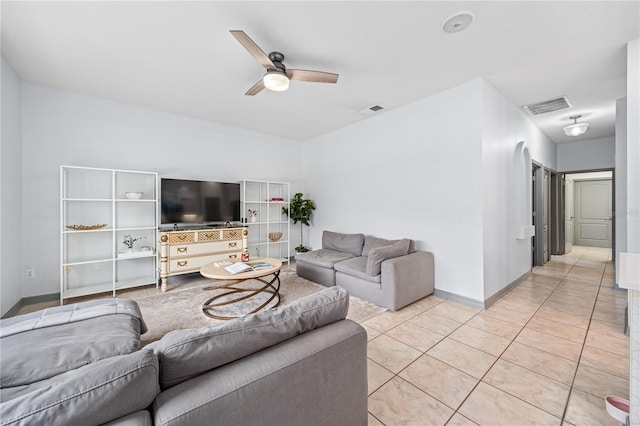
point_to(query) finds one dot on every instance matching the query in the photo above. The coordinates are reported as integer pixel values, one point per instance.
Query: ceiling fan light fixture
(276, 81)
(575, 129)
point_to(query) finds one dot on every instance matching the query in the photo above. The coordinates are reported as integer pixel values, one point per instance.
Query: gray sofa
(302, 363)
(388, 273)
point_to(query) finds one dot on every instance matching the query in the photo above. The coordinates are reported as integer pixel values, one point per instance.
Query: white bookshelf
(96, 260)
(268, 198)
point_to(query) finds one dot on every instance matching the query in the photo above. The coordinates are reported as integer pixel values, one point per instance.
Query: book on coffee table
(239, 267)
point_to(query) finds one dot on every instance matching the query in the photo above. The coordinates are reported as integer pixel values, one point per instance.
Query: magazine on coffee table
(239, 267)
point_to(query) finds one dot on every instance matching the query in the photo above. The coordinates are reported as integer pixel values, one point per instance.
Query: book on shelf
(239, 267)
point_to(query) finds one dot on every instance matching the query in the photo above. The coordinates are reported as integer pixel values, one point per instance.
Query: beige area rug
(180, 306)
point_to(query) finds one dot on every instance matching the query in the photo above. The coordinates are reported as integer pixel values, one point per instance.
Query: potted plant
(253, 214)
(129, 240)
(300, 211)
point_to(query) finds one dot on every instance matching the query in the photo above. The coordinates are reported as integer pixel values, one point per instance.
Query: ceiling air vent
(371, 110)
(548, 106)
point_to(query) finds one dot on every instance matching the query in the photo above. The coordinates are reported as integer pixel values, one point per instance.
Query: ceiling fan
(278, 76)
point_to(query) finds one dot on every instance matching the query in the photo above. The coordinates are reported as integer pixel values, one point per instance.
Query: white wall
(633, 148)
(621, 178)
(10, 190)
(439, 171)
(410, 172)
(506, 258)
(64, 128)
(587, 155)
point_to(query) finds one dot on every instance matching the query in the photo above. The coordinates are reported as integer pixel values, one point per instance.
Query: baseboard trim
(493, 299)
(475, 303)
(30, 301)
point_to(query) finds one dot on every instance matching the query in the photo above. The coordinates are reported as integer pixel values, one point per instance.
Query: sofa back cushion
(184, 354)
(371, 242)
(346, 243)
(93, 394)
(380, 254)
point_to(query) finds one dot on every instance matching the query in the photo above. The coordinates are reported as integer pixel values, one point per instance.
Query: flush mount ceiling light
(458, 22)
(276, 80)
(575, 129)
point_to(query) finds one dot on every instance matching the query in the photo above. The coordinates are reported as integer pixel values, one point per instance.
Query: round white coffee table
(232, 281)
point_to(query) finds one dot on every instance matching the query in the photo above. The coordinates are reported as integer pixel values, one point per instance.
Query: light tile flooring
(547, 352)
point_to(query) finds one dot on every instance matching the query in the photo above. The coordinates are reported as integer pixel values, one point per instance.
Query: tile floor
(546, 353)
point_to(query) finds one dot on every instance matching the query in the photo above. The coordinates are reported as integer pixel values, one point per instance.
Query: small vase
(253, 219)
(130, 250)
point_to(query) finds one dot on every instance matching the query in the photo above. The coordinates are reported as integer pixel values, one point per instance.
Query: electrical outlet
(30, 273)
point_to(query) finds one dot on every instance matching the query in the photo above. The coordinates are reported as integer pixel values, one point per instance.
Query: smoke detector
(458, 22)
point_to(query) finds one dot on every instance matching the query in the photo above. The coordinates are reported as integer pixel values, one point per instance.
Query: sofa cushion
(323, 257)
(371, 242)
(380, 254)
(357, 267)
(346, 243)
(66, 337)
(92, 394)
(187, 353)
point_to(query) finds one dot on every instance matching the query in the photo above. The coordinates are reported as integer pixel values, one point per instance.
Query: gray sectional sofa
(299, 364)
(388, 273)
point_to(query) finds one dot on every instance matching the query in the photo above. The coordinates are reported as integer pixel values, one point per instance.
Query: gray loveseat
(388, 273)
(302, 363)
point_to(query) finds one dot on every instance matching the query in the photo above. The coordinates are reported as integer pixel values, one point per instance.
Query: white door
(593, 213)
(568, 216)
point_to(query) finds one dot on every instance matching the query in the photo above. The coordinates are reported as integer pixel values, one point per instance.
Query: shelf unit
(96, 260)
(259, 195)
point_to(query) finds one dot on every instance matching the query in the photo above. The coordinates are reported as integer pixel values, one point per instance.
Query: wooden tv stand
(186, 251)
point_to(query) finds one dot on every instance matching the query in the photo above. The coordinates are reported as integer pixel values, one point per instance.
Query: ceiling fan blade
(253, 48)
(256, 88)
(313, 76)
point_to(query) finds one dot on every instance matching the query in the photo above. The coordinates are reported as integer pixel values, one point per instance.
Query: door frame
(613, 203)
(545, 197)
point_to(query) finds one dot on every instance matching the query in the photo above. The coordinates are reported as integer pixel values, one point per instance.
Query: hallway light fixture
(575, 129)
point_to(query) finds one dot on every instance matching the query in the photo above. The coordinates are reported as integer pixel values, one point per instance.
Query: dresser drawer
(195, 249)
(195, 263)
(181, 237)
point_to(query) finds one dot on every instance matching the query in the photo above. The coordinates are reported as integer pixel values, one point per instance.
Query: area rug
(180, 306)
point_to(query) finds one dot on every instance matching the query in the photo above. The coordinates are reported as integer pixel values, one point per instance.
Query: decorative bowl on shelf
(275, 236)
(86, 227)
(134, 195)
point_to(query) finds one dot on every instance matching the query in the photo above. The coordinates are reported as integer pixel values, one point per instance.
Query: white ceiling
(180, 57)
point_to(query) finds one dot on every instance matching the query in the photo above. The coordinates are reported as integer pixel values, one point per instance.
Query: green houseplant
(300, 210)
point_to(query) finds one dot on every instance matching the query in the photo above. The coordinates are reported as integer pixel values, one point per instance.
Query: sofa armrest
(319, 377)
(408, 278)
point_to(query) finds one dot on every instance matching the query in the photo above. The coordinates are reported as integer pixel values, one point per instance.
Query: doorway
(589, 219)
(542, 216)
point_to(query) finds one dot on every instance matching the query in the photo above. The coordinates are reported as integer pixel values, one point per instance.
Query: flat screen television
(198, 202)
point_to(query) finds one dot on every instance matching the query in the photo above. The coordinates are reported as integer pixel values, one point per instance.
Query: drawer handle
(233, 256)
(208, 235)
(182, 263)
(182, 249)
(181, 237)
(233, 244)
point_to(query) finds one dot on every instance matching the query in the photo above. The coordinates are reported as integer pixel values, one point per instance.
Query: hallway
(546, 353)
